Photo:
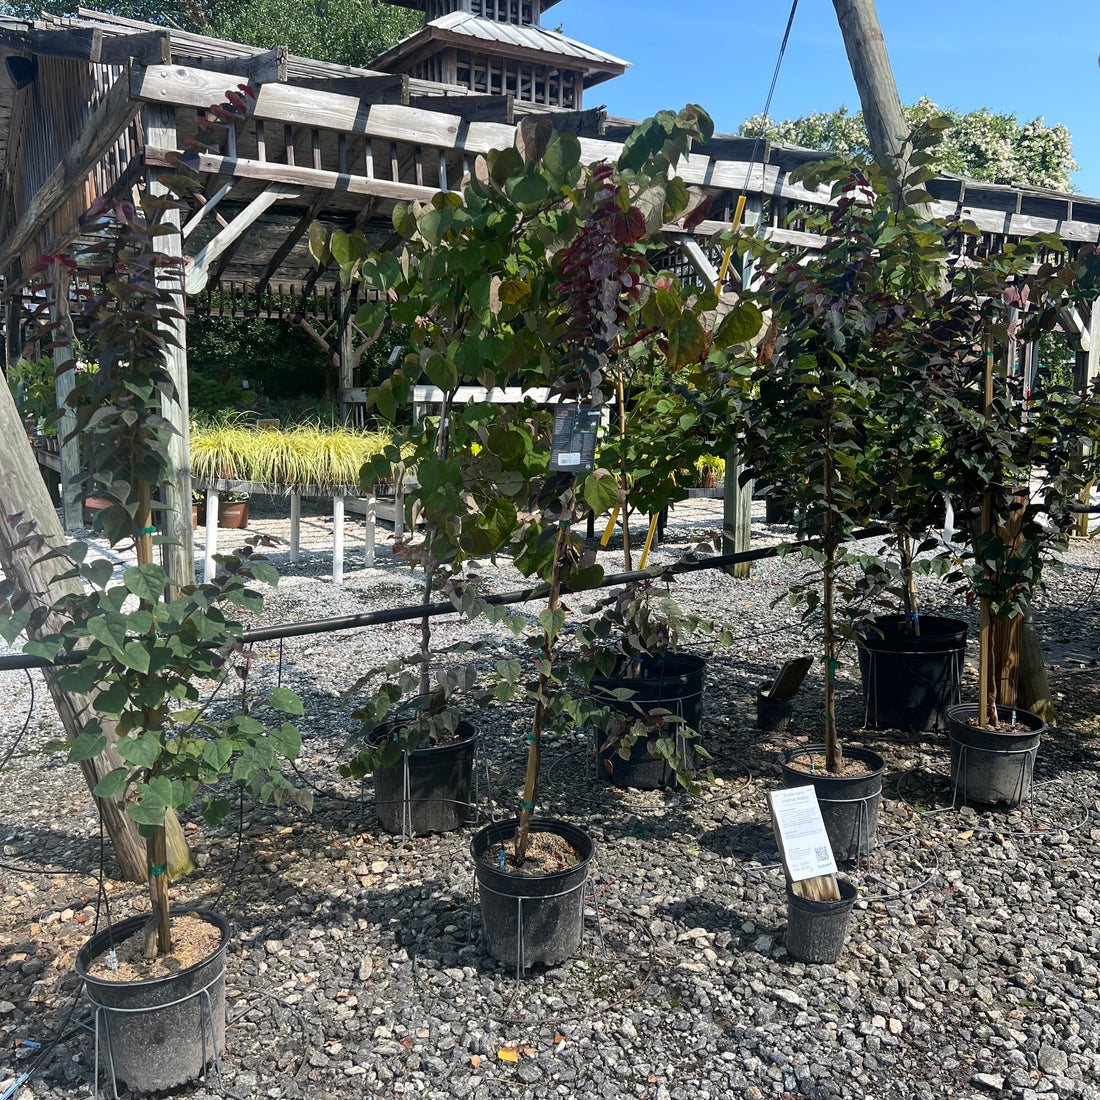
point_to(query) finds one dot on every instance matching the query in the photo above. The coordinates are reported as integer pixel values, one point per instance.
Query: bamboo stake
(985, 635)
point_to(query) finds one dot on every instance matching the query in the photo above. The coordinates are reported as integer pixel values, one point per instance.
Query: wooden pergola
(98, 105)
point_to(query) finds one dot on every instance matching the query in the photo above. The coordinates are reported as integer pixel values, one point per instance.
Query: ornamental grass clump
(328, 458)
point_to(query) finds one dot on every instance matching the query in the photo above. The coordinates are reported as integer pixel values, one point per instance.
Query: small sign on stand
(573, 444)
(804, 846)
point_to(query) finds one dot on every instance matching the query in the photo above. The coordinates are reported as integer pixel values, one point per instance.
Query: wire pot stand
(206, 1020)
(471, 807)
(588, 892)
(1023, 760)
(871, 693)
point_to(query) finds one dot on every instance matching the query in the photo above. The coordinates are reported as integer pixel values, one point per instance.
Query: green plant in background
(33, 385)
(539, 274)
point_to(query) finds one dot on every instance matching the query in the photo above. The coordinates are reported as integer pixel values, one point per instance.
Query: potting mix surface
(546, 853)
(193, 941)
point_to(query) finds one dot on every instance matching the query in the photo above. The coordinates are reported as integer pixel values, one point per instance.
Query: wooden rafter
(199, 273)
(301, 227)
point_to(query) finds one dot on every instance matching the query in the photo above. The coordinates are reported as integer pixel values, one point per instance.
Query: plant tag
(573, 444)
(803, 842)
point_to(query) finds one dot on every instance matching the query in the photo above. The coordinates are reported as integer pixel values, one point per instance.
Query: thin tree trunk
(834, 753)
(23, 494)
(534, 741)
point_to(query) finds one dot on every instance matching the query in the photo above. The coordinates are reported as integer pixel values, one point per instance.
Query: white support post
(295, 523)
(208, 566)
(369, 529)
(338, 538)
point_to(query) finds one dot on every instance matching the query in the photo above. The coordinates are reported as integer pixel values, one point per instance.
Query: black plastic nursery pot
(816, 930)
(532, 919)
(160, 1033)
(773, 715)
(992, 767)
(673, 683)
(427, 790)
(849, 804)
(909, 682)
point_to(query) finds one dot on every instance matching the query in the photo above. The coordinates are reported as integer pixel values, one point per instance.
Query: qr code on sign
(821, 854)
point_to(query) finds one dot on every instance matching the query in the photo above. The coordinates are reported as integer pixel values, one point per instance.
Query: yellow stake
(737, 214)
(649, 540)
(610, 527)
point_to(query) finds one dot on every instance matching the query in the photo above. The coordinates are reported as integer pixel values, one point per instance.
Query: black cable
(26, 724)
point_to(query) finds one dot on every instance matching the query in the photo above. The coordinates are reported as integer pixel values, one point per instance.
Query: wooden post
(72, 481)
(178, 555)
(345, 353)
(736, 514)
(887, 130)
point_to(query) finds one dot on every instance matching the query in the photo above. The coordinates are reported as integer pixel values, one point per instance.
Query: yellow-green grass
(306, 455)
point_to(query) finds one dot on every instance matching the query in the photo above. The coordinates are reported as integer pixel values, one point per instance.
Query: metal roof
(490, 34)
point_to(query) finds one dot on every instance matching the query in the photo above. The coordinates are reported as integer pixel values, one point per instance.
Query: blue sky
(1010, 56)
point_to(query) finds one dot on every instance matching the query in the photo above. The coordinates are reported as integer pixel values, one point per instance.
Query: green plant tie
(527, 805)
(534, 740)
(146, 531)
(565, 523)
(159, 869)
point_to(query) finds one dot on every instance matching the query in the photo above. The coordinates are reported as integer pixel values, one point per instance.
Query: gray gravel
(356, 966)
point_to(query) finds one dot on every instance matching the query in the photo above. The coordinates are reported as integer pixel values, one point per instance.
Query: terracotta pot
(233, 514)
(708, 477)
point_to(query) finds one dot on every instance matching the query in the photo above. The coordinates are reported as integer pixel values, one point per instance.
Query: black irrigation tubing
(419, 611)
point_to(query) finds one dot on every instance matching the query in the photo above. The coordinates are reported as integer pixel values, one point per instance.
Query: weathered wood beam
(293, 175)
(300, 106)
(1074, 327)
(92, 45)
(115, 112)
(269, 67)
(473, 108)
(210, 205)
(380, 88)
(301, 227)
(198, 274)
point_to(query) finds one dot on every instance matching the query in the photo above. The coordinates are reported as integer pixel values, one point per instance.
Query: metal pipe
(417, 611)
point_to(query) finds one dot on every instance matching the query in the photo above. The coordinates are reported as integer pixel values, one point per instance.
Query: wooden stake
(985, 633)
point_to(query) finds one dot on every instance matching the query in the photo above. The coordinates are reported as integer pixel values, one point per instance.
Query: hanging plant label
(573, 444)
(800, 832)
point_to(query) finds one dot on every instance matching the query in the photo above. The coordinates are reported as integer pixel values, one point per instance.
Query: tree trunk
(23, 495)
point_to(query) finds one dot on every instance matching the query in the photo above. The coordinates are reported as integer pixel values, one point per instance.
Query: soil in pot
(532, 918)
(435, 797)
(158, 1032)
(993, 766)
(816, 930)
(672, 682)
(849, 802)
(910, 681)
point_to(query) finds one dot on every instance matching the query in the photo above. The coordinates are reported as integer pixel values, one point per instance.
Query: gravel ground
(356, 966)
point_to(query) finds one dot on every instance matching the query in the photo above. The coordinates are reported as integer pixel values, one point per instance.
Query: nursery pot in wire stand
(427, 790)
(909, 680)
(531, 919)
(992, 767)
(849, 804)
(816, 929)
(162, 1032)
(671, 682)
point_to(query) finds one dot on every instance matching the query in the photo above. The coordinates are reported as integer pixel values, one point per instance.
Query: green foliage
(347, 32)
(539, 274)
(33, 385)
(980, 144)
(152, 656)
